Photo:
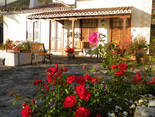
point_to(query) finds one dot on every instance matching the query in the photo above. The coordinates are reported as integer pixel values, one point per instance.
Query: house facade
(61, 26)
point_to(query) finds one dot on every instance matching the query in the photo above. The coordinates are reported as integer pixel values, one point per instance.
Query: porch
(71, 28)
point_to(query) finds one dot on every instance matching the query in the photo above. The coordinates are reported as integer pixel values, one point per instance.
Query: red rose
(93, 80)
(139, 78)
(70, 101)
(26, 111)
(98, 115)
(122, 66)
(153, 80)
(80, 90)
(80, 80)
(65, 69)
(33, 101)
(114, 66)
(47, 87)
(70, 79)
(86, 95)
(119, 73)
(49, 79)
(51, 71)
(87, 77)
(82, 112)
(134, 80)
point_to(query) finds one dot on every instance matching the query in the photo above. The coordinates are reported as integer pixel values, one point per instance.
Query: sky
(2, 2)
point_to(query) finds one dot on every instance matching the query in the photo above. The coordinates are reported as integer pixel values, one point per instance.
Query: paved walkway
(19, 80)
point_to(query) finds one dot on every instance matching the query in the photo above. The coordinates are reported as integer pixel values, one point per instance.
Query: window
(33, 31)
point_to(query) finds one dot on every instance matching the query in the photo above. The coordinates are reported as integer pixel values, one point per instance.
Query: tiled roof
(47, 8)
(81, 12)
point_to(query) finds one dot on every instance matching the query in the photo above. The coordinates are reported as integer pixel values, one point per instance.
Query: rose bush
(88, 95)
(91, 94)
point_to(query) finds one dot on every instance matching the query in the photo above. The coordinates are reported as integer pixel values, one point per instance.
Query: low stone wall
(15, 59)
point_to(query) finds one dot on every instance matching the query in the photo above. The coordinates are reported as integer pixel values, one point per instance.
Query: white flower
(110, 99)
(132, 106)
(111, 114)
(118, 107)
(125, 113)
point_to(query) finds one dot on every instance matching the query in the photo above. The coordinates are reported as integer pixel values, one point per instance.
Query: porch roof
(74, 12)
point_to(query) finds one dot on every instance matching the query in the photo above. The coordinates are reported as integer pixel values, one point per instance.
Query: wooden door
(117, 30)
(87, 27)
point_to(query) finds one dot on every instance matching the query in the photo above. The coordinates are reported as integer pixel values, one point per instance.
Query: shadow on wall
(140, 18)
(13, 17)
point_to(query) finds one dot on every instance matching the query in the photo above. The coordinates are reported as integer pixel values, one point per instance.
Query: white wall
(141, 19)
(103, 3)
(44, 36)
(104, 26)
(15, 27)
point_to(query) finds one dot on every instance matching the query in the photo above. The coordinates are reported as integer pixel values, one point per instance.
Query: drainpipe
(5, 5)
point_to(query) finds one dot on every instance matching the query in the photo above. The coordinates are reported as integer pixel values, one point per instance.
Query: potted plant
(70, 52)
(138, 48)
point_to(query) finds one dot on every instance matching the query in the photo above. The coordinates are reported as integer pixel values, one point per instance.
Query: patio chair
(38, 50)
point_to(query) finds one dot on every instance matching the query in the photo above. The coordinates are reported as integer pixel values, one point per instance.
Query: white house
(59, 25)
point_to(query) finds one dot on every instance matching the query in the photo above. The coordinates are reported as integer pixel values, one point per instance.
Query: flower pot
(70, 55)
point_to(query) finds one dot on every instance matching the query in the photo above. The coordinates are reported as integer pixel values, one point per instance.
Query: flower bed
(15, 53)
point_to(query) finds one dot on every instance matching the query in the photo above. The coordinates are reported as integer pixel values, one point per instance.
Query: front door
(87, 27)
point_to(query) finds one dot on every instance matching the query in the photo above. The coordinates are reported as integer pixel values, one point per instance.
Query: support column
(73, 26)
(124, 27)
(50, 36)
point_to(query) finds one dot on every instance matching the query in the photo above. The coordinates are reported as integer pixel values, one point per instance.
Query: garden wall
(15, 59)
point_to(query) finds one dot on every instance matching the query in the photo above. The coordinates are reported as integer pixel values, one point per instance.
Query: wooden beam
(110, 31)
(124, 30)
(73, 26)
(93, 17)
(124, 27)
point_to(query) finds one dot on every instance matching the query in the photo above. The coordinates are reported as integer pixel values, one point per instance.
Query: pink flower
(93, 38)
(84, 67)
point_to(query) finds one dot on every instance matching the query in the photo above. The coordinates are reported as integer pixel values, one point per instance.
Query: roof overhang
(83, 13)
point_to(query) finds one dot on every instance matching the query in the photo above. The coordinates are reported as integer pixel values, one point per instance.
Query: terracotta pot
(70, 55)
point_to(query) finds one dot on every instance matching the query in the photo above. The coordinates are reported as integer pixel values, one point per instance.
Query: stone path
(19, 80)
